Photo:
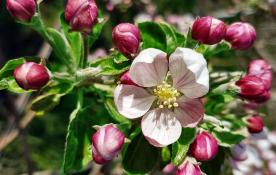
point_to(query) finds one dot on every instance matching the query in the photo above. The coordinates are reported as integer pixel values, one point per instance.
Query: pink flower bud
(204, 147)
(251, 88)
(126, 38)
(31, 76)
(106, 143)
(169, 169)
(239, 152)
(208, 30)
(240, 35)
(81, 14)
(189, 168)
(125, 79)
(22, 10)
(262, 69)
(255, 124)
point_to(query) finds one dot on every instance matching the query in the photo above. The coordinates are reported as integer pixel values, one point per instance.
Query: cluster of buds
(31, 76)
(126, 38)
(106, 143)
(22, 10)
(256, 84)
(209, 30)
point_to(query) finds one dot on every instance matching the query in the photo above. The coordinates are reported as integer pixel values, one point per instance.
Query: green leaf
(166, 154)
(190, 42)
(10, 84)
(109, 105)
(180, 39)
(108, 66)
(60, 46)
(140, 156)
(74, 38)
(171, 38)
(8, 68)
(97, 29)
(48, 101)
(181, 147)
(228, 138)
(153, 36)
(215, 50)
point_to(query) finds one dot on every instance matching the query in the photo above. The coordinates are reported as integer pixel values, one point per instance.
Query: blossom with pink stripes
(81, 15)
(189, 167)
(167, 95)
(31, 76)
(204, 147)
(208, 30)
(107, 143)
(262, 69)
(241, 35)
(22, 10)
(126, 38)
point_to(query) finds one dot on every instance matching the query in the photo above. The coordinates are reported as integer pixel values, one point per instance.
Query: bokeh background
(39, 147)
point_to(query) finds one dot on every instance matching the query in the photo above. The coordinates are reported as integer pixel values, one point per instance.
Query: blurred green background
(45, 134)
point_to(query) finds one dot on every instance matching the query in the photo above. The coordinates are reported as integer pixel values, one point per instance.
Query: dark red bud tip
(262, 69)
(240, 35)
(204, 147)
(125, 79)
(252, 88)
(81, 15)
(126, 38)
(31, 76)
(22, 10)
(208, 30)
(255, 124)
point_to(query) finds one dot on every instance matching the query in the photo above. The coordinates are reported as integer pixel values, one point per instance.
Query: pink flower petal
(149, 68)
(189, 72)
(190, 111)
(160, 127)
(132, 101)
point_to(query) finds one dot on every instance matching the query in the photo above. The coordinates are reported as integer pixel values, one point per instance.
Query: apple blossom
(31, 76)
(261, 69)
(241, 35)
(208, 30)
(168, 93)
(126, 38)
(255, 124)
(204, 147)
(81, 14)
(106, 143)
(22, 10)
(189, 167)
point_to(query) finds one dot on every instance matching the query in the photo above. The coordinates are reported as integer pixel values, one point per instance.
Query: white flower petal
(132, 101)
(190, 111)
(189, 72)
(149, 68)
(160, 127)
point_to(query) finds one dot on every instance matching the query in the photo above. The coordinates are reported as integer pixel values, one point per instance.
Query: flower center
(166, 95)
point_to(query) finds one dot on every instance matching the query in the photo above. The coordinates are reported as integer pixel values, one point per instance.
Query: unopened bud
(22, 10)
(107, 143)
(189, 168)
(240, 35)
(31, 76)
(204, 147)
(255, 124)
(262, 69)
(125, 79)
(81, 15)
(126, 38)
(208, 30)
